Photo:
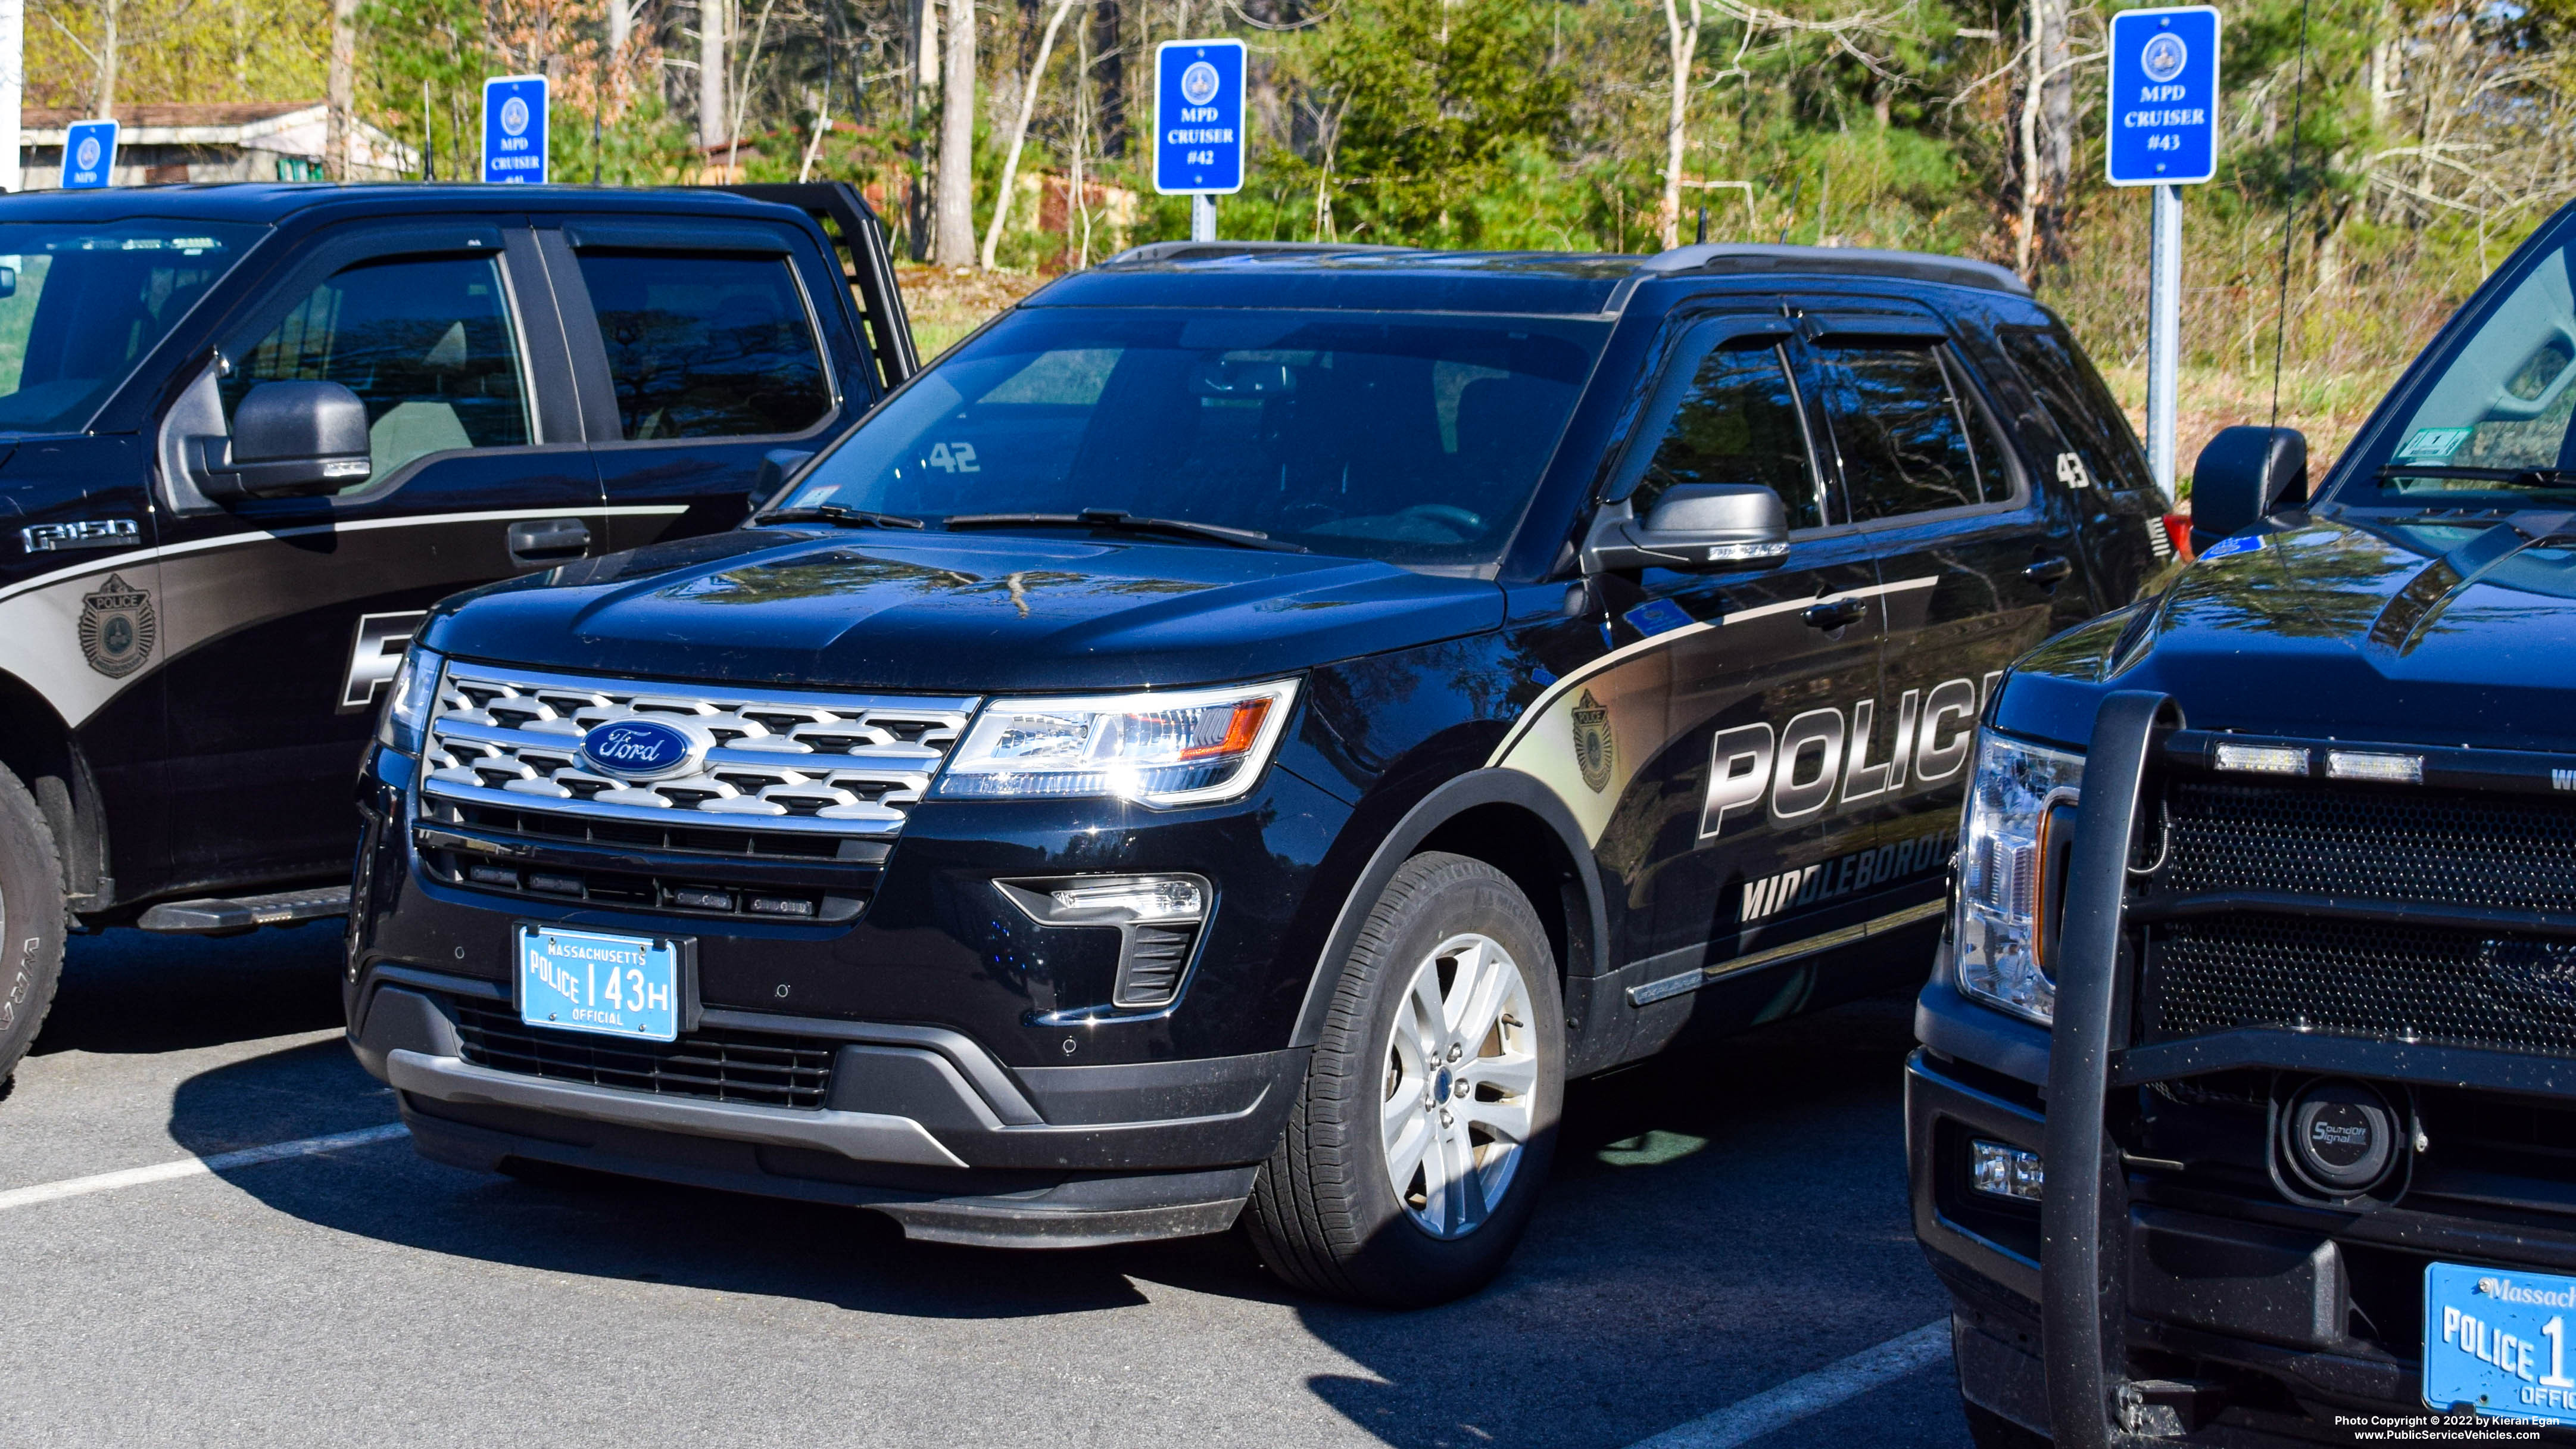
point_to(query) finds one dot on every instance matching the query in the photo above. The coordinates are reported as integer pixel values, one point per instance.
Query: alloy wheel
(1461, 1078)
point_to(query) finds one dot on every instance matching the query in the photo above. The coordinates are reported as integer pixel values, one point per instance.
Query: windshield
(2492, 424)
(80, 305)
(1411, 438)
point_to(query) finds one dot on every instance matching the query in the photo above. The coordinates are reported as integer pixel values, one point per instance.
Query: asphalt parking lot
(1717, 1227)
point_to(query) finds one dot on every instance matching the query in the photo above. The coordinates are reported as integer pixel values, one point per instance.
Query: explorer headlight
(1177, 747)
(405, 723)
(2001, 869)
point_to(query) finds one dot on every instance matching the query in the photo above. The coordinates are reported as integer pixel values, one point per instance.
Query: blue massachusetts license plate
(587, 981)
(2496, 1341)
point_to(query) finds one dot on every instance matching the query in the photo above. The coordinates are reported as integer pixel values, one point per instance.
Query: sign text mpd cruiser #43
(1237, 736)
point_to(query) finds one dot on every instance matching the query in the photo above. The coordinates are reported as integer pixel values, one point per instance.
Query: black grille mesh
(2452, 988)
(2453, 847)
(720, 1065)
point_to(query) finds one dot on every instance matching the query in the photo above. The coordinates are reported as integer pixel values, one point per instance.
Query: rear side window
(425, 343)
(2088, 418)
(706, 346)
(1730, 416)
(1907, 436)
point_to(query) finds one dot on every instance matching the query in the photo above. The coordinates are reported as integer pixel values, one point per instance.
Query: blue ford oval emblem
(641, 749)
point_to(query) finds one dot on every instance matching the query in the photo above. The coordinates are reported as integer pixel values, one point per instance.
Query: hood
(2442, 632)
(976, 613)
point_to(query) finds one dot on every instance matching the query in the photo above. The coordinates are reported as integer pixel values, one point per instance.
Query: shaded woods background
(2428, 138)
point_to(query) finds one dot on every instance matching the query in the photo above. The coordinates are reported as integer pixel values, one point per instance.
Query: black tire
(1325, 1215)
(32, 923)
(1990, 1430)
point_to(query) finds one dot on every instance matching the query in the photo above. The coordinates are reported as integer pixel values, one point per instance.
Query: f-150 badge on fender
(1595, 752)
(117, 628)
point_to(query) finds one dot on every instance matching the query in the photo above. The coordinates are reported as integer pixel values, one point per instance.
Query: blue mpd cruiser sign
(2164, 97)
(1198, 117)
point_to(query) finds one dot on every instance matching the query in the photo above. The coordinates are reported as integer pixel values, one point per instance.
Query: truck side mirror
(1693, 526)
(775, 466)
(289, 440)
(2245, 473)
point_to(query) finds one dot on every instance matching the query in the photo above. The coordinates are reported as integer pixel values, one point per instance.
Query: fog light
(2001, 1170)
(493, 875)
(1157, 917)
(701, 898)
(561, 885)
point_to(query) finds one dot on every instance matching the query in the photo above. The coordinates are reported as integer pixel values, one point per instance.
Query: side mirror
(2245, 473)
(775, 467)
(289, 440)
(8, 281)
(1694, 526)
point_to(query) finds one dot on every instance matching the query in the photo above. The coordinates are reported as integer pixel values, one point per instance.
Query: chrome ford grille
(784, 761)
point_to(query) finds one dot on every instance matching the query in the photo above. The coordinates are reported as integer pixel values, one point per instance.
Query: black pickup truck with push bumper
(2246, 1107)
(1247, 726)
(249, 433)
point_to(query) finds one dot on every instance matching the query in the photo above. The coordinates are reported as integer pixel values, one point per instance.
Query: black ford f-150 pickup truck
(249, 433)
(1247, 725)
(2246, 1107)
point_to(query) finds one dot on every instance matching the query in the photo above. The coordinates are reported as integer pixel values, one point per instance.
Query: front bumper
(2172, 1286)
(917, 1123)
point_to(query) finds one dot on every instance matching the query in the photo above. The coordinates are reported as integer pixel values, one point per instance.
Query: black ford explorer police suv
(249, 433)
(1249, 723)
(2246, 1107)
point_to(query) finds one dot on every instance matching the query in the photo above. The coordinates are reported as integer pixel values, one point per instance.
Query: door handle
(548, 540)
(1835, 613)
(2048, 571)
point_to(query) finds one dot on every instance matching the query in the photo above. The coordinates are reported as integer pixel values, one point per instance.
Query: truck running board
(216, 917)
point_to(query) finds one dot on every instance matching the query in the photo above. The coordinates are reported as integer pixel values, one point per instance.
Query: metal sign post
(514, 130)
(89, 155)
(1198, 125)
(2164, 133)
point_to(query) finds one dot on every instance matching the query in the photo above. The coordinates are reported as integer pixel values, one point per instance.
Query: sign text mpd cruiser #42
(2243, 1109)
(1244, 729)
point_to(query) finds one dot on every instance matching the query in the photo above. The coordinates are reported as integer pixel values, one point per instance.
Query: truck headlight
(2002, 865)
(1178, 747)
(405, 723)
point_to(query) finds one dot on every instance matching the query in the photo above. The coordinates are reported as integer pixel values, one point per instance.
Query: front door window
(425, 343)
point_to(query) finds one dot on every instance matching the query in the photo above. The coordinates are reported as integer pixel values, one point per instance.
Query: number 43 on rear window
(953, 458)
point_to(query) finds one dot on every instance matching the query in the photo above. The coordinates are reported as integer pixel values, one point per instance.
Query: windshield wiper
(2517, 477)
(1119, 521)
(834, 513)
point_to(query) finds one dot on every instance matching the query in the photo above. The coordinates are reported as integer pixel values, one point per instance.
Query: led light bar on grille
(2374, 765)
(2264, 759)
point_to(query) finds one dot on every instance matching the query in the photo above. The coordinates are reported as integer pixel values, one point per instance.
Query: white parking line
(18, 1197)
(1749, 1419)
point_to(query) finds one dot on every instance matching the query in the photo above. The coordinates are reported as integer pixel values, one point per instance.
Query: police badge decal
(1594, 752)
(117, 628)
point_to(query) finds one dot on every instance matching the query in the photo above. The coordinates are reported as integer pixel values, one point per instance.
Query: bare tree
(714, 20)
(342, 88)
(2047, 139)
(1681, 47)
(953, 240)
(1020, 131)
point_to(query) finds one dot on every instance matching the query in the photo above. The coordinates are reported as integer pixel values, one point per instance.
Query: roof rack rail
(1868, 261)
(1199, 251)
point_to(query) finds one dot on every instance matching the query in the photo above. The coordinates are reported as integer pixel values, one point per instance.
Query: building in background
(214, 141)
